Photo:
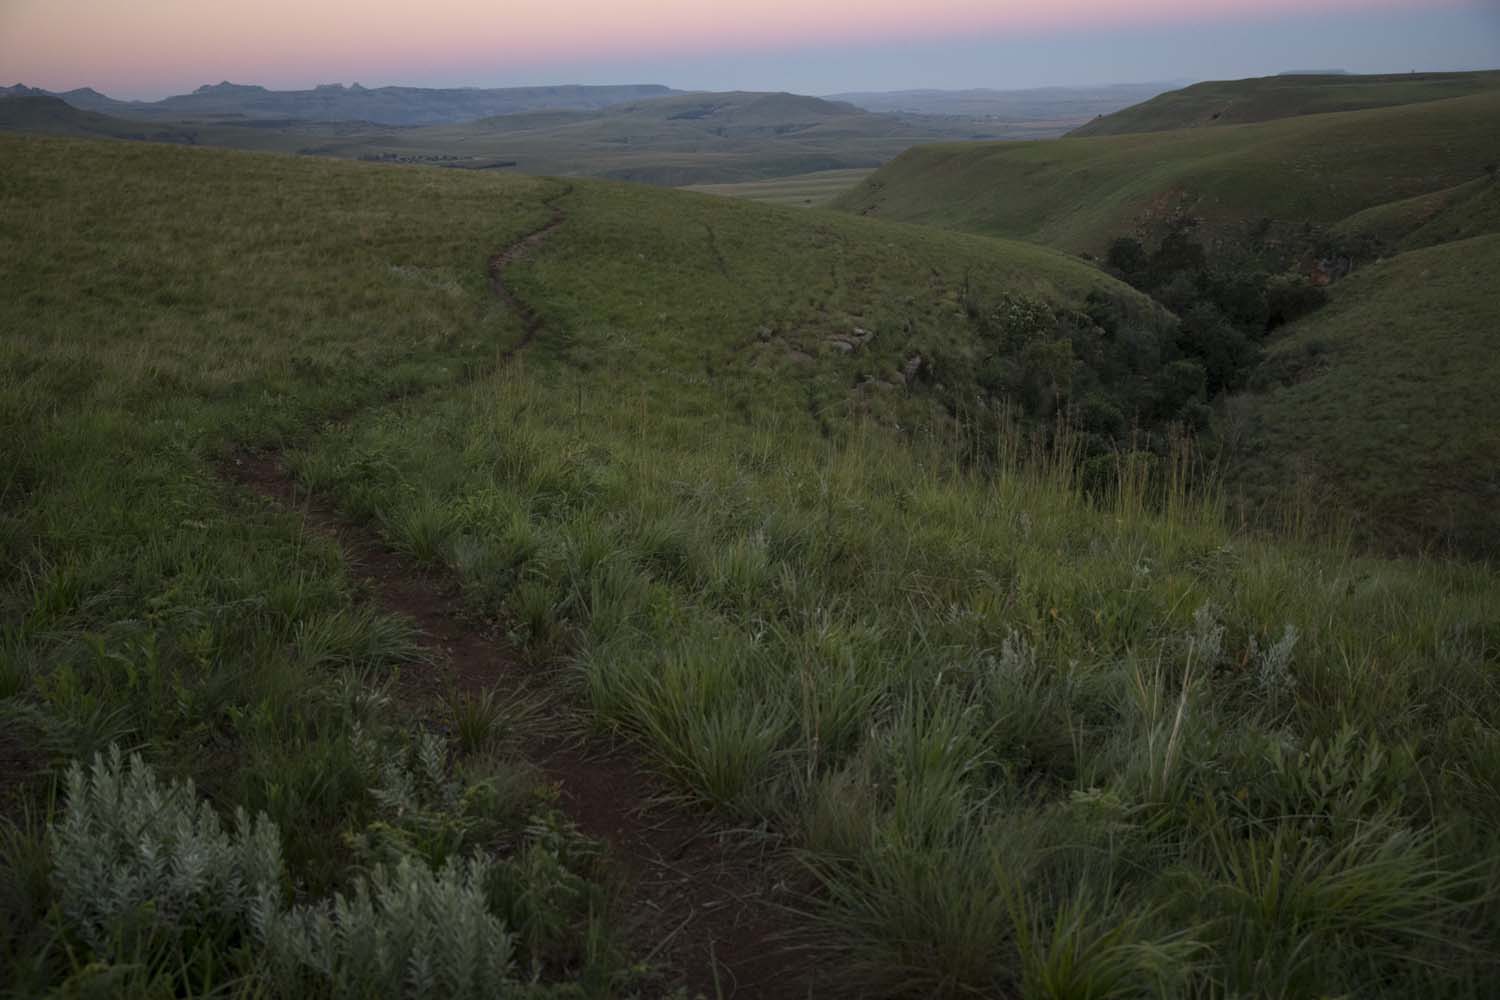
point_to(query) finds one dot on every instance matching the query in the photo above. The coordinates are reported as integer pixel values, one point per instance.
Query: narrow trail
(531, 323)
(702, 901)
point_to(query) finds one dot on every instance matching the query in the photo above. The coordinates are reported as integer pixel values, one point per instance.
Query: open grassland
(1079, 194)
(806, 191)
(1384, 401)
(1238, 102)
(1024, 741)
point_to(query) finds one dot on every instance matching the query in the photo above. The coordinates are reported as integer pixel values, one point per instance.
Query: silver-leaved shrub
(129, 850)
(130, 847)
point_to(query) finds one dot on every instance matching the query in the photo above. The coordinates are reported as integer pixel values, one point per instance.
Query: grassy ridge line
(1078, 194)
(1219, 103)
(1386, 400)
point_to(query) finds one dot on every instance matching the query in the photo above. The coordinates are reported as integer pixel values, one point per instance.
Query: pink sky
(150, 47)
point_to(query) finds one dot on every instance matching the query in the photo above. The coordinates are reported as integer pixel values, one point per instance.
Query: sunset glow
(156, 45)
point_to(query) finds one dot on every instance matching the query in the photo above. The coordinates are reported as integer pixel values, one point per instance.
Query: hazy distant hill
(1050, 110)
(54, 116)
(688, 138)
(335, 102)
(678, 139)
(1239, 102)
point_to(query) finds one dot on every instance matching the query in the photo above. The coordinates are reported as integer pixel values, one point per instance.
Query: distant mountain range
(335, 102)
(232, 103)
(645, 133)
(678, 139)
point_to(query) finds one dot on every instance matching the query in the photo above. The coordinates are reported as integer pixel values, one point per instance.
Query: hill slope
(1237, 102)
(1456, 213)
(1080, 194)
(997, 735)
(1384, 402)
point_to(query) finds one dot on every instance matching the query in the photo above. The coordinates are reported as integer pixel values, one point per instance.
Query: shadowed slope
(1384, 402)
(1238, 102)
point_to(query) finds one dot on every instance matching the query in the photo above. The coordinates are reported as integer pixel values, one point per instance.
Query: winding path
(702, 901)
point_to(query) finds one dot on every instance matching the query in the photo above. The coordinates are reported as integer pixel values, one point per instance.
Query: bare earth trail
(701, 901)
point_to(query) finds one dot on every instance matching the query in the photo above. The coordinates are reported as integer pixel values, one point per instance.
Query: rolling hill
(1238, 102)
(444, 521)
(1079, 194)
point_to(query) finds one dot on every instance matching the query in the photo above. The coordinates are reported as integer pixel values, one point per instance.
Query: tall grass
(1027, 736)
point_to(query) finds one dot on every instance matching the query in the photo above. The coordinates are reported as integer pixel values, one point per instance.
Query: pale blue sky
(1381, 42)
(60, 44)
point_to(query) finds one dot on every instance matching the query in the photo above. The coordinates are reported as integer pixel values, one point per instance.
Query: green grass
(188, 302)
(1079, 194)
(1456, 213)
(1237, 102)
(1024, 739)
(1384, 401)
(804, 191)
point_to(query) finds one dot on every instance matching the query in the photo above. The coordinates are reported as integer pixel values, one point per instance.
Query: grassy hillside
(1238, 102)
(1383, 404)
(1456, 213)
(1079, 194)
(1018, 740)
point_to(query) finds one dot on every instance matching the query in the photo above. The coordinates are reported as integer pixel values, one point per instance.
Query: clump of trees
(1122, 374)
(1228, 303)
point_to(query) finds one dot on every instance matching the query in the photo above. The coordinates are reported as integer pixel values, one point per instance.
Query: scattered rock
(764, 333)
(850, 342)
(912, 368)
